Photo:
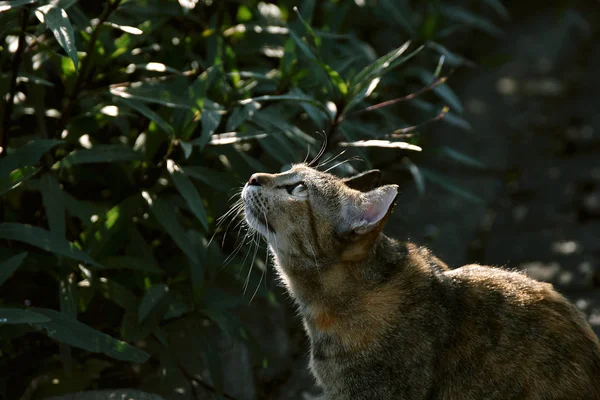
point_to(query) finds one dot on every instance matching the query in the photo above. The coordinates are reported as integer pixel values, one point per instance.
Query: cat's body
(388, 320)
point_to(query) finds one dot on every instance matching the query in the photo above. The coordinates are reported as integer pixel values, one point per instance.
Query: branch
(437, 82)
(8, 107)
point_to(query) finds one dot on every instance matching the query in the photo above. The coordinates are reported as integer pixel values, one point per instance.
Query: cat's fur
(389, 321)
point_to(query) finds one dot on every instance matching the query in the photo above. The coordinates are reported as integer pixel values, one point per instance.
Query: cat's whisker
(256, 247)
(341, 163)
(307, 154)
(320, 153)
(331, 159)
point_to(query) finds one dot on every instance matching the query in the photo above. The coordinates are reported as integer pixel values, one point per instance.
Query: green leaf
(17, 177)
(242, 114)
(443, 91)
(53, 204)
(218, 180)
(8, 5)
(20, 316)
(166, 216)
(151, 299)
(188, 191)
(154, 94)
(382, 143)
(211, 118)
(449, 117)
(57, 20)
(462, 158)
(288, 97)
(132, 263)
(103, 153)
(26, 155)
(8, 267)
(401, 12)
(29, 78)
(148, 113)
(308, 52)
(497, 6)
(445, 183)
(459, 14)
(44, 240)
(416, 174)
(336, 79)
(127, 29)
(74, 333)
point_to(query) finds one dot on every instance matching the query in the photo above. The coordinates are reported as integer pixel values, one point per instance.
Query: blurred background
(128, 127)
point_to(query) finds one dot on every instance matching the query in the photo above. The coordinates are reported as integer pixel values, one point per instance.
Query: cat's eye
(299, 190)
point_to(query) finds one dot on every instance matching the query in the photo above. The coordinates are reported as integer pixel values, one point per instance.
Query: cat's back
(506, 325)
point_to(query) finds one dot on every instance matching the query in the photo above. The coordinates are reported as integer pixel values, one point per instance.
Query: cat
(387, 320)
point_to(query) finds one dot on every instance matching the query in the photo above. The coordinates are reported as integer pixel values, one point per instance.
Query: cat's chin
(258, 224)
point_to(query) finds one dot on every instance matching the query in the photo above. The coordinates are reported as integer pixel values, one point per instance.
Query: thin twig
(401, 133)
(437, 82)
(8, 107)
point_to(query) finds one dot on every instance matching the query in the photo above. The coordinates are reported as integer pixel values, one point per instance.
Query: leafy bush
(128, 124)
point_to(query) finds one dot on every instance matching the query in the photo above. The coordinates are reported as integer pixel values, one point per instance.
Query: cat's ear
(364, 181)
(371, 209)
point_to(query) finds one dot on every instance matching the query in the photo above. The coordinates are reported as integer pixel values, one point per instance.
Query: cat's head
(309, 216)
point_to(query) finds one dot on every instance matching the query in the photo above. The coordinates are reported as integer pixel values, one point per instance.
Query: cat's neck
(338, 284)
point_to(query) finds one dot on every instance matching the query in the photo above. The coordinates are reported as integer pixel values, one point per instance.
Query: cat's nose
(256, 180)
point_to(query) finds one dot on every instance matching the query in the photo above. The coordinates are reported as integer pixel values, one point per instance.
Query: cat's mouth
(257, 220)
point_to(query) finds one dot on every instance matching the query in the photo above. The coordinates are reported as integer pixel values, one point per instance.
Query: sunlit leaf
(381, 143)
(233, 137)
(287, 97)
(151, 94)
(57, 20)
(242, 114)
(188, 191)
(21, 316)
(26, 155)
(29, 78)
(127, 29)
(44, 240)
(8, 267)
(74, 333)
(148, 113)
(16, 178)
(376, 67)
(8, 5)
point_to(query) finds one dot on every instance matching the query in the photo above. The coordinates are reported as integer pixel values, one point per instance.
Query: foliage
(127, 125)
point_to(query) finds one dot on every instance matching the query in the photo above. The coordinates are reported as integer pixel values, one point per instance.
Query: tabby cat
(387, 320)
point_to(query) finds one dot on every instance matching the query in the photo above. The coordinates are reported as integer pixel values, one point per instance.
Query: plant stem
(8, 107)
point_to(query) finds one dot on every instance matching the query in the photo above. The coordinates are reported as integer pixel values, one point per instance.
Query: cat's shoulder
(492, 279)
